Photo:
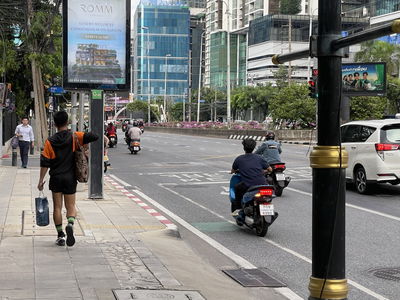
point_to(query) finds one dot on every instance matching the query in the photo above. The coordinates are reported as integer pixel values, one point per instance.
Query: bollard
(14, 157)
(31, 149)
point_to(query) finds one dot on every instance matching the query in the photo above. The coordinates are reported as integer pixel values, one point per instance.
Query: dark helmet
(135, 124)
(270, 135)
(110, 124)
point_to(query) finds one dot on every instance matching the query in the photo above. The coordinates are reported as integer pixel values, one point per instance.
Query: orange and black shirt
(58, 152)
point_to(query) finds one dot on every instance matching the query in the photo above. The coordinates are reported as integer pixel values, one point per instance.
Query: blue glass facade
(161, 52)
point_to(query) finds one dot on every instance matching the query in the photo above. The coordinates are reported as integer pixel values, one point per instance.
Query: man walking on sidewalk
(58, 156)
(25, 134)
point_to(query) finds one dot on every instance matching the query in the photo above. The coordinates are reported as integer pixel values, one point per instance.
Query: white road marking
(241, 262)
(236, 258)
(119, 180)
(353, 206)
(193, 183)
(294, 253)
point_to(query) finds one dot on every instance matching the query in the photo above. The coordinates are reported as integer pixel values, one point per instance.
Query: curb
(262, 138)
(162, 219)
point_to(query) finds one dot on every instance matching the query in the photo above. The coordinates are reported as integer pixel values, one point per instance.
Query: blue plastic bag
(42, 210)
(15, 142)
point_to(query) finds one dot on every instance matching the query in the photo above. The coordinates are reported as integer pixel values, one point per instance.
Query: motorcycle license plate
(266, 209)
(136, 148)
(280, 176)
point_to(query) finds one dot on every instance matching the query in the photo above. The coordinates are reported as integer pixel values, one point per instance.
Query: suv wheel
(360, 181)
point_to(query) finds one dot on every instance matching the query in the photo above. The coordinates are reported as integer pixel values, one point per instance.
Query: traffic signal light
(312, 87)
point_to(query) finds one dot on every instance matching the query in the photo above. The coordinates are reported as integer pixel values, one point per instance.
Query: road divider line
(292, 252)
(352, 206)
(119, 180)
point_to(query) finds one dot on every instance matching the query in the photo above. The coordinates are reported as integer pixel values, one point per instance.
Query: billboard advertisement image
(364, 79)
(96, 44)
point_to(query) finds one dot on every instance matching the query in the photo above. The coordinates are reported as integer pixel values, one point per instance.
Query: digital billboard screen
(364, 79)
(96, 44)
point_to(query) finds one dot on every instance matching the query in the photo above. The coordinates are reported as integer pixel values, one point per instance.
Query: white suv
(374, 152)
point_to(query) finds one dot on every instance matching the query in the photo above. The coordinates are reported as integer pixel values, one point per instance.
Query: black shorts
(64, 183)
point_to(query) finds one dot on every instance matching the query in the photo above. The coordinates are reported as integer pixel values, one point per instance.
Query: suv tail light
(386, 147)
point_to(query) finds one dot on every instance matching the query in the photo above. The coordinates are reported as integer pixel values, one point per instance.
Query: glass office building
(218, 60)
(161, 58)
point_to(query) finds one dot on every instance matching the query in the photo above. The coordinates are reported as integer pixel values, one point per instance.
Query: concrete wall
(282, 135)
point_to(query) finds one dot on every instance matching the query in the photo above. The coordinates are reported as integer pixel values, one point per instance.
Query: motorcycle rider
(134, 133)
(251, 168)
(111, 130)
(270, 150)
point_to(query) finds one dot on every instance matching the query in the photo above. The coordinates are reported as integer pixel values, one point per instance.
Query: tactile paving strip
(30, 228)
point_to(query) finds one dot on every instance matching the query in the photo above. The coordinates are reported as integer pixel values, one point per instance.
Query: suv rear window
(390, 134)
(356, 133)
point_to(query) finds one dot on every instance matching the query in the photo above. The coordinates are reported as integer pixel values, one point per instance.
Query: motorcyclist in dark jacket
(270, 150)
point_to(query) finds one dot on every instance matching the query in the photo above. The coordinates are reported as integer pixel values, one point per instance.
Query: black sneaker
(60, 241)
(70, 234)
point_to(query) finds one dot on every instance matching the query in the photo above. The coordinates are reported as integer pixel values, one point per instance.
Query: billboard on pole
(96, 44)
(364, 79)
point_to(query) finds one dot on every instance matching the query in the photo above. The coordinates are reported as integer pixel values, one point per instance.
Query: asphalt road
(189, 176)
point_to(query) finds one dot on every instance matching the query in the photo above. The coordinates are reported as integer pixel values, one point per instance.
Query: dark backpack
(81, 161)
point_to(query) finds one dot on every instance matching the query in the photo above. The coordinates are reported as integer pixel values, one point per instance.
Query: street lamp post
(165, 86)
(148, 76)
(228, 67)
(200, 64)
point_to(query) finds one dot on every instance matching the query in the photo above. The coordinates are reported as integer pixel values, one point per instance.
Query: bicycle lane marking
(287, 250)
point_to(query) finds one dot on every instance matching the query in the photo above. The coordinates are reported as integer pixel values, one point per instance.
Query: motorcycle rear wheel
(278, 191)
(262, 227)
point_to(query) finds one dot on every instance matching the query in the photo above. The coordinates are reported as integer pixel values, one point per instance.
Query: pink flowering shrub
(215, 125)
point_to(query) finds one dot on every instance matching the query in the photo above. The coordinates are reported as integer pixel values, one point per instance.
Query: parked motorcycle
(257, 210)
(112, 140)
(134, 146)
(277, 177)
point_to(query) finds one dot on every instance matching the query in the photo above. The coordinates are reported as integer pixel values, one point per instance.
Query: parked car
(374, 152)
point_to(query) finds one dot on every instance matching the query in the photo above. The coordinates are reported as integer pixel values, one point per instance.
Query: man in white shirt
(134, 132)
(25, 134)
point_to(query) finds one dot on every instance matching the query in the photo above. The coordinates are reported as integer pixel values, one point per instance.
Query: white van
(374, 152)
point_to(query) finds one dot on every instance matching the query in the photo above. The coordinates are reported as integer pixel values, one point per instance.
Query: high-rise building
(276, 34)
(161, 52)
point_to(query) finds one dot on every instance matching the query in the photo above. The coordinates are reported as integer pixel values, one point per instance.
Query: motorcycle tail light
(281, 166)
(264, 192)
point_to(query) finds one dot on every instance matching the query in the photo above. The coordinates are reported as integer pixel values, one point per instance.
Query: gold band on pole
(396, 26)
(333, 288)
(328, 157)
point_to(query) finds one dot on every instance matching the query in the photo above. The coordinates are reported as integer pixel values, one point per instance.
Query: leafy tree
(393, 96)
(281, 77)
(142, 106)
(215, 100)
(380, 51)
(247, 97)
(292, 103)
(367, 108)
(290, 7)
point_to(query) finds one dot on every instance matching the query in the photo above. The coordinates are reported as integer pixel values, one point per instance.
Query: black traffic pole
(97, 147)
(328, 160)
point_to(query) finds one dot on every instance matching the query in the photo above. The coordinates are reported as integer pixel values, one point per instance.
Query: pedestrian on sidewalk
(58, 156)
(24, 132)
